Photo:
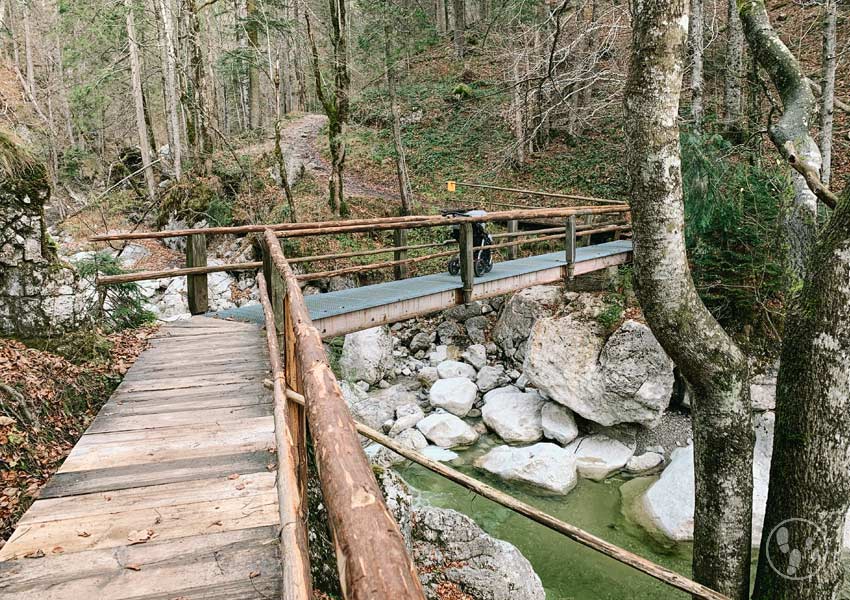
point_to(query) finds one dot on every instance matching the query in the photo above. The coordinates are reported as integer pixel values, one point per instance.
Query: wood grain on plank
(172, 471)
(234, 565)
(120, 422)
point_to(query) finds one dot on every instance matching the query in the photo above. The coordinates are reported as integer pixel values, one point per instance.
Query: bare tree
(138, 100)
(827, 89)
(172, 106)
(459, 14)
(696, 42)
(705, 354)
(335, 102)
(732, 90)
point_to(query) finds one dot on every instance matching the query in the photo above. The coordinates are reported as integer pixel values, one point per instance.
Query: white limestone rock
(547, 467)
(407, 416)
(375, 408)
(515, 417)
(449, 369)
(456, 395)
(645, 462)
(519, 314)
(447, 430)
(367, 355)
(558, 423)
(439, 454)
(598, 456)
(448, 546)
(490, 377)
(475, 355)
(628, 379)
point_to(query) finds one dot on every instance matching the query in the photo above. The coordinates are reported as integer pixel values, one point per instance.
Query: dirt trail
(300, 140)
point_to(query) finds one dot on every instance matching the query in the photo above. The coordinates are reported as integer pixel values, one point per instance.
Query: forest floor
(48, 397)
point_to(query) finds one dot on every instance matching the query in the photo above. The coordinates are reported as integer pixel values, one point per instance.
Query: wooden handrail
(373, 561)
(373, 266)
(296, 583)
(507, 215)
(486, 186)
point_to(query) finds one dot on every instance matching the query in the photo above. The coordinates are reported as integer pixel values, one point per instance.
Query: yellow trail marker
(450, 186)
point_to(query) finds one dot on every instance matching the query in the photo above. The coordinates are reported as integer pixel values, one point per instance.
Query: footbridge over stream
(191, 482)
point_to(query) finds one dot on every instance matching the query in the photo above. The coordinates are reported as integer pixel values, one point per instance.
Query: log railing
(197, 268)
(372, 559)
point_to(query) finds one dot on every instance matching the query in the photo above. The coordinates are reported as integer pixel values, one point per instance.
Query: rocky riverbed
(535, 393)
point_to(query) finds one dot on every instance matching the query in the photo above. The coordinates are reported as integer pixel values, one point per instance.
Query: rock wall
(39, 295)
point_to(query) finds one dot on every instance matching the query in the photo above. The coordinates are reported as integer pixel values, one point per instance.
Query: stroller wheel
(480, 268)
(489, 266)
(454, 266)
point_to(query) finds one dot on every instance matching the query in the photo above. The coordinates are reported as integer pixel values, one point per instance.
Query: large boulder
(667, 505)
(447, 431)
(515, 416)
(367, 355)
(547, 467)
(456, 395)
(519, 315)
(598, 456)
(452, 368)
(407, 416)
(637, 376)
(451, 551)
(628, 379)
(491, 377)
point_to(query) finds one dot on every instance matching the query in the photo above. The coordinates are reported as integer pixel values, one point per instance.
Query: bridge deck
(344, 311)
(180, 457)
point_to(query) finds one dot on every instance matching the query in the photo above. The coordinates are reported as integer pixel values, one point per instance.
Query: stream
(568, 571)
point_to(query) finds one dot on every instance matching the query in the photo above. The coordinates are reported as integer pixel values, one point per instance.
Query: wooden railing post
(467, 268)
(570, 245)
(513, 227)
(401, 271)
(196, 285)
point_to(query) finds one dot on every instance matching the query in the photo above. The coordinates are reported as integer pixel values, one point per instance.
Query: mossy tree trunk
(705, 354)
(335, 102)
(809, 492)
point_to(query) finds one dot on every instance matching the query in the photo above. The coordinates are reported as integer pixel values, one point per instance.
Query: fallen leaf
(35, 554)
(133, 567)
(233, 476)
(253, 574)
(215, 523)
(240, 486)
(4, 420)
(57, 550)
(83, 534)
(140, 536)
(268, 384)
(271, 466)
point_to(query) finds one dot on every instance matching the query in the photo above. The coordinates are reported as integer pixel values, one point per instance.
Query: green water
(568, 571)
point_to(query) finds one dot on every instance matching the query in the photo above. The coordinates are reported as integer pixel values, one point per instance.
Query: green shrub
(733, 213)
(118, 306)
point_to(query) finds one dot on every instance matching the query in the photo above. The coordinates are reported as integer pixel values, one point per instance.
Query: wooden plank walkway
(180, 454)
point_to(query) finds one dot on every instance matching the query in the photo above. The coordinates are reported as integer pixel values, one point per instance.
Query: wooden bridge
(191, 482)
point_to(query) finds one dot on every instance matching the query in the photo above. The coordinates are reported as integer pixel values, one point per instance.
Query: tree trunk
(138, 100)
(278, 150)
(518, 116)
(440, 10)
(587, 93)
(172, 107)
(458, 12)
(254, 99)
(197, 127)
(732, 96)
(28, 51)
(809, 492)
(790, 134)
(705, 354)
(404, 191)
(696, 43)
(827, 90)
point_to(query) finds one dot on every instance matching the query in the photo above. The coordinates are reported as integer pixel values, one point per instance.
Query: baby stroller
(482, 260)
